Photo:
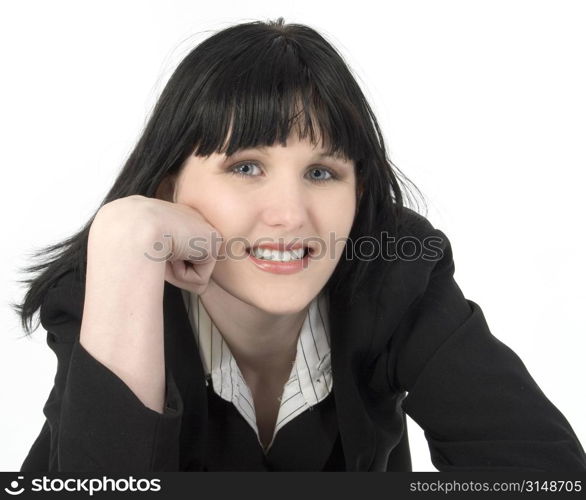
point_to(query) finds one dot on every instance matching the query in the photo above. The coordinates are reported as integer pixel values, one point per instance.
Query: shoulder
(411, 252)
(411, 240)
(412, 223)
(420, 241)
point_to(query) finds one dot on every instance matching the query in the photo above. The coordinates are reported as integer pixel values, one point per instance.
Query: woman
(220, 311)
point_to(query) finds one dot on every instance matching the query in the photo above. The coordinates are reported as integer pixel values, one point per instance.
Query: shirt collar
(312, 360)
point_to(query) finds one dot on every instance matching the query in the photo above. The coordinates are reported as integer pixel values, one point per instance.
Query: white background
(482, 105)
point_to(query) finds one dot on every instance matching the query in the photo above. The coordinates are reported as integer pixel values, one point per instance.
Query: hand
(164, 231)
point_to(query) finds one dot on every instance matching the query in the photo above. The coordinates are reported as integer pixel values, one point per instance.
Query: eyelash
(333, 175)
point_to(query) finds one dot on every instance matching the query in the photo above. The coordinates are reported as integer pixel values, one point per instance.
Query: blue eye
(321, 169)
(243, 169)
(240, 172)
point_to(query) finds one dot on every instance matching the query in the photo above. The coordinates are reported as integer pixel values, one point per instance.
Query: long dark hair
(247, 86)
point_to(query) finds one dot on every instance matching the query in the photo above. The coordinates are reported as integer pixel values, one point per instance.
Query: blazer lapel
(348, 332)
(184, 362)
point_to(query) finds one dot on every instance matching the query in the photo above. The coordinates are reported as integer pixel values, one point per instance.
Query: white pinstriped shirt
(310, 380)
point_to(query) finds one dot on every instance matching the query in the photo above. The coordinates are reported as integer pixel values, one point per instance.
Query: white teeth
(265, 253)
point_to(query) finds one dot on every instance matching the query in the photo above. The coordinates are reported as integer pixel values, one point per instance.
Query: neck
(262, 343)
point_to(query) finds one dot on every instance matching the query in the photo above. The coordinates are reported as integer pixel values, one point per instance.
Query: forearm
(122, 325)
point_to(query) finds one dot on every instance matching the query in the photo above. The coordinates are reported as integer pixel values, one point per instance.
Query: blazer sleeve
(94, 421)
(477, 404)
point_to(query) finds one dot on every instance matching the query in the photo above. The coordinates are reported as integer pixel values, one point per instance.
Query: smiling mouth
(307, 251)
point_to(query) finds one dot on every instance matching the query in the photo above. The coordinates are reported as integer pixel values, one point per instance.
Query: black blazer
(412, 343)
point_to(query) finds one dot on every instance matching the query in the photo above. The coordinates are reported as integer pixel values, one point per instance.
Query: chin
(282, 304)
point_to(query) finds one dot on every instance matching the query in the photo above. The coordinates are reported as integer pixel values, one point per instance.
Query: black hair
(247, 86)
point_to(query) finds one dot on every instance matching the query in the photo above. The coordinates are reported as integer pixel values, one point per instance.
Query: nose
(284, 205)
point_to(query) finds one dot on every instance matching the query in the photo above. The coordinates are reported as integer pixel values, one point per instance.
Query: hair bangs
(267, 94)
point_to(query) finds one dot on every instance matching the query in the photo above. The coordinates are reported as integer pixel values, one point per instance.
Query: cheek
(338, 212)
(216, 203)
(224, 209)
(334, 233)
(343, 224)
(229, 214)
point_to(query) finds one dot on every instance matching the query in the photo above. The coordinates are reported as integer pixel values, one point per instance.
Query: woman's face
(276, 194)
